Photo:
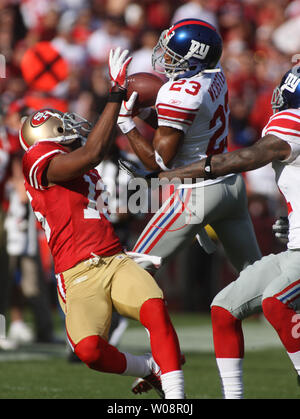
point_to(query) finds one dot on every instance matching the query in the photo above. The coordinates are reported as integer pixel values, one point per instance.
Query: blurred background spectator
(261, 41)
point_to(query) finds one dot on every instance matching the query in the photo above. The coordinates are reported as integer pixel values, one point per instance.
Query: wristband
(207, 168)
(117, 96)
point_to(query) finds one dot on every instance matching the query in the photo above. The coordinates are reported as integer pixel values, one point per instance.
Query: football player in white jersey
(191, 120)
(271, 284)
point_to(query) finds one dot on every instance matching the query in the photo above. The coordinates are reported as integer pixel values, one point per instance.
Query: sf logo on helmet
(40, 117)
(198, 49)
(291, 83)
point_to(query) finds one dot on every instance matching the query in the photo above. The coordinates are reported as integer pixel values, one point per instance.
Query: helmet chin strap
(212, 70)
(62, 139)
(195, 72)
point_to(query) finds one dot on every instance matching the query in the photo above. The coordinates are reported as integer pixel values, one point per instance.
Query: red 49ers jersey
(68, 212)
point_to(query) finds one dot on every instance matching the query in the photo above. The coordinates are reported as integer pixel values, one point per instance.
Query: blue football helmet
(287, 94)
(187, 48)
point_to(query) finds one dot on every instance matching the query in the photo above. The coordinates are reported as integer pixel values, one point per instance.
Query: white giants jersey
(198, 106)
(286, 125)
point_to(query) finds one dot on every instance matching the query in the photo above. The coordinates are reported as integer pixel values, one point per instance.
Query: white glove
(281, 229)
(118, 65)
(125, 121)
(139, 258)
(134, 171)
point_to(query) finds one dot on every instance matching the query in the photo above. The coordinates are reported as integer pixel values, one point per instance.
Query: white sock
(231, 374)
(173, 384)
(137, 365)
(295, 358)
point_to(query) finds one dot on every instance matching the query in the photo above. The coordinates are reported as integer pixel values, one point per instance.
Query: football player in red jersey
(94, 275)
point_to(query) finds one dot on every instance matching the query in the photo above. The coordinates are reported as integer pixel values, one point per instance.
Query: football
(147, 85)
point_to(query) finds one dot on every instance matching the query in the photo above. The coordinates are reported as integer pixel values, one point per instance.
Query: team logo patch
(291, 83)
(40, 117)
(198, 49)
(175, 102)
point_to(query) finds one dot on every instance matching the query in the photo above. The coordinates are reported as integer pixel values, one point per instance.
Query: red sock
(227, 334)
(99, 355)
(281, 316)
(163, 338)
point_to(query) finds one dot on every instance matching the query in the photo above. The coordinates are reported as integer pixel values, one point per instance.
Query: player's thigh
(286, 287)
(173, 225)
(234, 227)
(88, 306)
(239, 241)
(184, 214)
(131, 287)
(222, 199)
(243, 297)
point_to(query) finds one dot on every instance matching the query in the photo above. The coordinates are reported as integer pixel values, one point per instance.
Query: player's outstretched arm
(166, 139)
(264, 151)
(165, 143)
(68, 166)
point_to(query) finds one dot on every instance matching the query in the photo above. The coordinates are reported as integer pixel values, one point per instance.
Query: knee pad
(154, 314)
(88, 350)
(281, 316)
(223, 298)
(99, 355)
(274, 311)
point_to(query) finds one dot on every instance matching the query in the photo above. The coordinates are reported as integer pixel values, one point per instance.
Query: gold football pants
(89, 292)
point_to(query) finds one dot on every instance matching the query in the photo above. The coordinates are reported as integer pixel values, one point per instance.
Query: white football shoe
(151, 381)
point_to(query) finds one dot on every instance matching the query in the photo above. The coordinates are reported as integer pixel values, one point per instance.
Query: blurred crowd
(261, 41)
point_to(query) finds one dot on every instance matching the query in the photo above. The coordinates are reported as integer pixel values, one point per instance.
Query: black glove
(281, 229)
(133, 170)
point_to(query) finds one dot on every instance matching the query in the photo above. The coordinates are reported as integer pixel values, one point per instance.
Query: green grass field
(43, 371)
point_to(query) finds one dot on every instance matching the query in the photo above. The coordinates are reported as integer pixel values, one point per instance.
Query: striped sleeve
(175, 116)
(35, 161)
(285, 125)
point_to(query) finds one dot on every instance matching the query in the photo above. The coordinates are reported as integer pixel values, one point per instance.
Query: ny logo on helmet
(291, 83)
(198, 49)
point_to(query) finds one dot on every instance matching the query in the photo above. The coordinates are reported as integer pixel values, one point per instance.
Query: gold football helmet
(53, 125)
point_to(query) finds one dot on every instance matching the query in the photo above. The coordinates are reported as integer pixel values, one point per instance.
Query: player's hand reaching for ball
(118, 64)
(125, 121)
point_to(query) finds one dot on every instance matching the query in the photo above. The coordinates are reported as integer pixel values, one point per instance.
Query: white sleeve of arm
(295, 152)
